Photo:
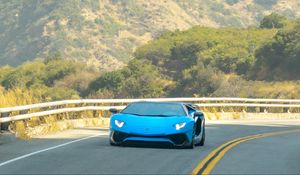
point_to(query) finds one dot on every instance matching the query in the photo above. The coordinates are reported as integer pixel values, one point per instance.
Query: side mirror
(198, 114)
(113, 110)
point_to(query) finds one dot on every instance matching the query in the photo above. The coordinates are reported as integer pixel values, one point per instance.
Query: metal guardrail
(124, 101)
(10, 114)
(56, 111)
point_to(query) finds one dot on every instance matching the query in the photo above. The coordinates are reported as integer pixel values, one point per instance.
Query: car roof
(180, 103)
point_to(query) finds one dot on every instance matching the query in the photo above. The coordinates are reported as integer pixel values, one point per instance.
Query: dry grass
(44, 125)
(280, 89)
(251, 116)
(55, 123)
(18, 96)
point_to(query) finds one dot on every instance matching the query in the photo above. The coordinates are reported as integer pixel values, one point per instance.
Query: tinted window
(190, 110)
(155, 109)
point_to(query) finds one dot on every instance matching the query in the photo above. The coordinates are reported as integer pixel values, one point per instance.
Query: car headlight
(119, 123)
(179, 126)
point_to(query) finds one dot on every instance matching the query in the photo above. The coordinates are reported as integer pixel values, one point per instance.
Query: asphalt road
(79, 151)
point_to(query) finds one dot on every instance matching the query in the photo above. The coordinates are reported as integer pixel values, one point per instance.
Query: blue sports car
(178, 124)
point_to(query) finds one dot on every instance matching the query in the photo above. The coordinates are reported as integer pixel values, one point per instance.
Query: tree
(183, 56)
(53, 57)
(138, 79)
(198, 81)
(4, 71)
(25, 75)
(110, 80)
(228, 49)
(57, 69)
(273, 21)
(280, 58)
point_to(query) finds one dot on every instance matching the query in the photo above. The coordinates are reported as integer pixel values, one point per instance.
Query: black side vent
(178, 138)
(119, 136)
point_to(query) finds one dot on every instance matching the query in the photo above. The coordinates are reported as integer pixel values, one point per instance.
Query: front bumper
(178, 139)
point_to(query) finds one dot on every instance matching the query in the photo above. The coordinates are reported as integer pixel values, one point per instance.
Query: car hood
(150, 125)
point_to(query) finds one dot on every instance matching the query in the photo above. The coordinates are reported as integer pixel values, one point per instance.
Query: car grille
(178, 139)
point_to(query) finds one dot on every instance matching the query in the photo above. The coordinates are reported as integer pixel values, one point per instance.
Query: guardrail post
(244, 110)
(4, 126)
(24, 111)
(261, 109)
(222, 110)
(286, 110)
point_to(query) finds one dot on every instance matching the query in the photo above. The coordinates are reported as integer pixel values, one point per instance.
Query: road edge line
(48, 149)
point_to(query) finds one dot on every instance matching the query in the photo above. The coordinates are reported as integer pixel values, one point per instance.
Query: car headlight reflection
(119, 123)
(179, 126)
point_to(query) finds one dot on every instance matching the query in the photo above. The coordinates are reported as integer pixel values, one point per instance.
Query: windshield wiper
(131, 113)
(152, 115)
(161, 115)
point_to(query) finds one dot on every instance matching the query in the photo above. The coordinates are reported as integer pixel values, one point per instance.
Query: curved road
(80, 151)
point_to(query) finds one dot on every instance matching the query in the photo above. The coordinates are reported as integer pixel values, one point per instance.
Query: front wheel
(192, 144)
(201, 143)
(112, 143)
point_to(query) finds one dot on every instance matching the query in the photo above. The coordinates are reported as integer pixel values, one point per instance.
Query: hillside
(257, 62)
(254, 62)
(105, 33)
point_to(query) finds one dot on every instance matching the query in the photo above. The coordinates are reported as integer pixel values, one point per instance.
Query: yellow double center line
(210, 161)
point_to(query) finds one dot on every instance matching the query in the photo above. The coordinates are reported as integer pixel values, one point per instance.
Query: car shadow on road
(160, 145)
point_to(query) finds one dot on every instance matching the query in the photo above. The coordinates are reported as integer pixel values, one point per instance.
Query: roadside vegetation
(45, 80)
(259, 61)
(254, 62)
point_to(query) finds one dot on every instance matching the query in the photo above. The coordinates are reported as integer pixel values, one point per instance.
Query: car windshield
(155, 109)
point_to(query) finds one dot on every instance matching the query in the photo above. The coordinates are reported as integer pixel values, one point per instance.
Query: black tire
(201, 143)
(112, 143)
(192, 144)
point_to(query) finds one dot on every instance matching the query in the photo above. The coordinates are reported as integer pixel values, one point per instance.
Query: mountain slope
(106, 32)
